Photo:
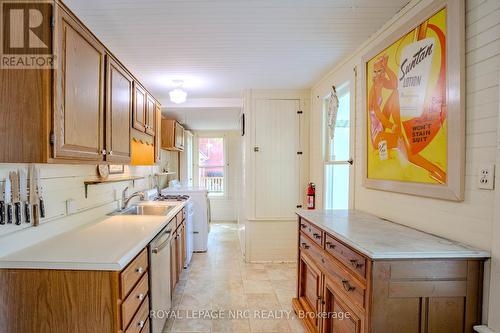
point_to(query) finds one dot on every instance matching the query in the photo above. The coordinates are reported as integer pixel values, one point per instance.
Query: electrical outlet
(486, 177)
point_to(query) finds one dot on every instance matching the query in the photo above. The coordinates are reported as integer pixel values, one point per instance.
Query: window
(337, 153)
(211, 165)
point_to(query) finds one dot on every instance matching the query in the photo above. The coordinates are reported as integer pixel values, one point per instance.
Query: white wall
(224, 208)
(65, 182)
(470, 221)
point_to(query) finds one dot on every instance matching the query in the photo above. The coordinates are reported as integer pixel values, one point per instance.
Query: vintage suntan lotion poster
(406, 107)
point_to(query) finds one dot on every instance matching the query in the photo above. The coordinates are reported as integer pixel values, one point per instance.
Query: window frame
(348, 85)
(197, 167)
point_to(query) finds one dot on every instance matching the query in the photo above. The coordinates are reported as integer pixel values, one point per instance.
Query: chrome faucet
(125, 200)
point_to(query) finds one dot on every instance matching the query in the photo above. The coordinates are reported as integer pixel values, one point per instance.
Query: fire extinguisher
(311, 196)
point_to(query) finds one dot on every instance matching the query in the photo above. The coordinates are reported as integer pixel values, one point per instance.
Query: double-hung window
(211, 164)
(337, 155)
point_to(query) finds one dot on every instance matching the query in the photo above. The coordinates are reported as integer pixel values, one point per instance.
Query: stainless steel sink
(157, 210)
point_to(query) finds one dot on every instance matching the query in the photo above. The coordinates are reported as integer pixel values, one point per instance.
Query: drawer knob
(141, 324)
(355, 263)
(330, 245)
(347, 286)
(302, 225)
(305, 246)
(140, 270)
(140, 297)
(317, 236)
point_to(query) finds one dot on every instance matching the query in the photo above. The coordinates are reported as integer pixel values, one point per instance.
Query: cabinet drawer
(146, 328)
(140, 318)
(312, 231)
(134, 300)
(355, 261)
(345, 283)
(133, 272)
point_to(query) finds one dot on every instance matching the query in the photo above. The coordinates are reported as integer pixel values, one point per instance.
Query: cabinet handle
(330, 245)
(305, 246)
(103, 152)
(110, 153)
(302, 225)
(347, 286)
(317, 236)
(141, 324)
(355, 263)
(140, 297)
(140, 270)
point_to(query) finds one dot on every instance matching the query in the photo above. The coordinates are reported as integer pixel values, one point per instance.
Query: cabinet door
(157, 133)
(179, 136)
(341, 318)
(118, 112)
(173, 263)
(79, 93)
(150, 115)
(180, 245)
(139, 112)
(310, 290)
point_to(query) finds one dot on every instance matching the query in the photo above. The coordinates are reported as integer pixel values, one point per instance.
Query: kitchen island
(359, 273)
(95, 278)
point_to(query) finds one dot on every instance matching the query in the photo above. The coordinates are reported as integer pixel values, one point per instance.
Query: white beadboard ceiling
(219, 47)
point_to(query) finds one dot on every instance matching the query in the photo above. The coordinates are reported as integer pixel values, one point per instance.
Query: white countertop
(381, 239)
(106, 244)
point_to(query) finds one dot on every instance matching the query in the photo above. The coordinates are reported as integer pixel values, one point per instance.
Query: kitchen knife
(39, 191)
(34, 195)
(2, 203)
(8, 199)
(23, 189)
(16, 199)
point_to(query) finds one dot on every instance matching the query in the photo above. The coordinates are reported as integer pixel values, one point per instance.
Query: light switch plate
(486, 177)
(70, 206)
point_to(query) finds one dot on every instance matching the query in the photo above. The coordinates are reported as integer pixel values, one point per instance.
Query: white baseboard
(483, 329)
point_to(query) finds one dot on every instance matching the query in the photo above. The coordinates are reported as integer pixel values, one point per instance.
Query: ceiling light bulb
(178, 96)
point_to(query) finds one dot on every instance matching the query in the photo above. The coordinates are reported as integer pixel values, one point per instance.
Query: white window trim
(348, 82)
(196, 164)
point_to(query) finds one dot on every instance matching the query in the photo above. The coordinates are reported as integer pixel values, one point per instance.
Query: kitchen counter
(381, 239)
(107, 244)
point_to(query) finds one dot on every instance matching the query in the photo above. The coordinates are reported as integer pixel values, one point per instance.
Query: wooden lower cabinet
(178, 250)
(339, 290)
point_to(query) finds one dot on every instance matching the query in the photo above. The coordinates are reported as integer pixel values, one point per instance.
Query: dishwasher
(159, 278)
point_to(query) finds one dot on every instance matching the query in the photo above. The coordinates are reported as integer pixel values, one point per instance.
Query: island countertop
(107, 244)
(377, 238)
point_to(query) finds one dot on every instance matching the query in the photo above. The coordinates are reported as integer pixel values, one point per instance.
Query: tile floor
(222, 293)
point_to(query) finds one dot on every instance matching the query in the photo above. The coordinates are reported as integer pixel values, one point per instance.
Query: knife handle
(42, 209)
(27, 213)
(17, 211)
(9, 213)
(2, 212)
(36, 216)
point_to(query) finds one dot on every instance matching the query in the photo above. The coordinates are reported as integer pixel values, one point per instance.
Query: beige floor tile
(269, 325)
(191, 325)
(231, 326)
(258, 287)
(262, 302)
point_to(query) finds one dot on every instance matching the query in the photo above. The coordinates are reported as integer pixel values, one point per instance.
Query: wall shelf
(99, 181)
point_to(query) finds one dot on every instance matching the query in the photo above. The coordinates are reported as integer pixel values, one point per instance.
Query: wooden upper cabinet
(139, 113)
(119, 89)
(158, 132)
(79, 102)
(172, 135)
(150, 115)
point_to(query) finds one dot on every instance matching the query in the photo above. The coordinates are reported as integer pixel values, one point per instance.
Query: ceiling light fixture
(178, 96)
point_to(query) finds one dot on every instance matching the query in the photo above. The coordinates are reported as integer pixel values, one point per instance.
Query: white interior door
(277, 175)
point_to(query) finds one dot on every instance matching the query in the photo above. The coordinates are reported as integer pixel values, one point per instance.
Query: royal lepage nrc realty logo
(27, 35)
